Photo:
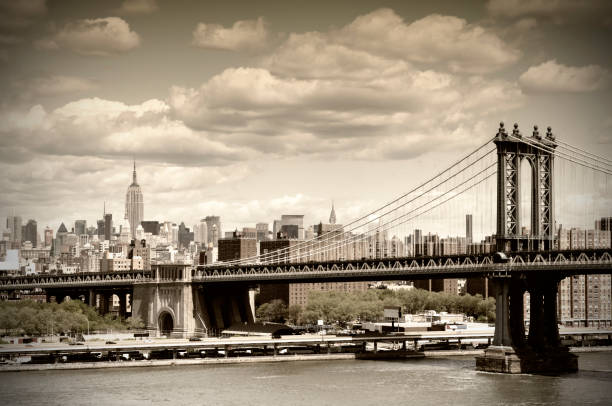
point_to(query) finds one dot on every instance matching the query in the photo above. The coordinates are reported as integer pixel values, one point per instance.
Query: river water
(432, 381)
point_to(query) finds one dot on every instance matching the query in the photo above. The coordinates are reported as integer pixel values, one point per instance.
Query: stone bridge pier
(539, 352)
(172, 305)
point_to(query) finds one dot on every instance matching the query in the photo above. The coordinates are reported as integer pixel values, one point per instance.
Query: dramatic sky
(249, 110)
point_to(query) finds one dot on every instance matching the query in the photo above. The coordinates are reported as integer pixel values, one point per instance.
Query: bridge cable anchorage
(280, 252)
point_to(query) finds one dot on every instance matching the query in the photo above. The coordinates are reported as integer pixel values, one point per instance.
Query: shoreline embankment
(240, 360)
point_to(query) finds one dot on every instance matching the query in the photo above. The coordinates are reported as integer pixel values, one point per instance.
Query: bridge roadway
(562, 263)
(255, 342)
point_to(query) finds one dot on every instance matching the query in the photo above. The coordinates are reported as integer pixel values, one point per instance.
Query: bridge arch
(527, 194)
(165, 322)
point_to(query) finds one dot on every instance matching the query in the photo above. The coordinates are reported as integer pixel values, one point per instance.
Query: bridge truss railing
(574, 261)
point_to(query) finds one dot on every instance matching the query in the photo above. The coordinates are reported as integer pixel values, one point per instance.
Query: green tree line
(344, 307)
(33, 318)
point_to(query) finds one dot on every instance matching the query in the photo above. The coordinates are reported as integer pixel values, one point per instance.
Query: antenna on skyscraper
(134, 173)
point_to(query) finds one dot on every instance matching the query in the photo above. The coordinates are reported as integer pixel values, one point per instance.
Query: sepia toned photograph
(348, 202)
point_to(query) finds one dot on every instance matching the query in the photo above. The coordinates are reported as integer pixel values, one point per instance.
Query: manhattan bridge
(521, 189)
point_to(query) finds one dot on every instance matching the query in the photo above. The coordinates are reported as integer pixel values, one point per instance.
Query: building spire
(332, 215)
(134, 174)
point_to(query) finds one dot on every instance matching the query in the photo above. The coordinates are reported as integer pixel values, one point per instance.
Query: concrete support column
(502, 314)
(105, 298)
(91, 298)
(550, 327)
(536, 315)
(122, 305)
(517, 313)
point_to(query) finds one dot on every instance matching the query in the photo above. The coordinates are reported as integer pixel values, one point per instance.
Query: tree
(134, 323)
(274, 311)
(294, 314)
(343, 307)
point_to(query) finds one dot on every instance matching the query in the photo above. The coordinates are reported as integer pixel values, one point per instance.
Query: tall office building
(276, 228)
(262, 231)
(100, 229)
(332, 215)
(80, 227)
(213, 223)
(48, 236)
(134, 205)
(200, 232)
(13, 223)
(236, 247)
(468, 228)
(185, 236)
(293, 225)
(60, 240)
(418, 243)
(108, 226)
(585, 300)
(31, 232)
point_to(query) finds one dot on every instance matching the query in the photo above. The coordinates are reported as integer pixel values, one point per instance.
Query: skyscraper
(134, 205)
(13, 223)
(213, 233)
(468, 228)
(108, 226)
(31, 232)
(48, 237)
(332, 215)
(101, 229)
(262, 231)
(80, 227)
(200, 232)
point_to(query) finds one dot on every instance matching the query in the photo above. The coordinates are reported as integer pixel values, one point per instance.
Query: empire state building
(134, 205)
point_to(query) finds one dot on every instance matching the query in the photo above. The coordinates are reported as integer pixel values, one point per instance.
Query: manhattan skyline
(249, 112)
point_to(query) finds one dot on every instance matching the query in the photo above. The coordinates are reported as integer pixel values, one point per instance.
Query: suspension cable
(388, 225)
(317, 240)
(562, 155)
(583, 151)
(347, 230)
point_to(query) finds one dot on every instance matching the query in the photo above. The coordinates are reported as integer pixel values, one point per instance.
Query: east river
(431, 381)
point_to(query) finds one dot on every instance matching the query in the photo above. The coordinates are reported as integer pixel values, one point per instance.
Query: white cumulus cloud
(98, 127)
(449, 40)
(100, 36)
(243, 35)
(552, 76)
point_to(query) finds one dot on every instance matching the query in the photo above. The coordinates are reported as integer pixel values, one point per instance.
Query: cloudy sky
(249, 110)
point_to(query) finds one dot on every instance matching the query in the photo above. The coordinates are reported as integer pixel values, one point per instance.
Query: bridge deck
(563, 263)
